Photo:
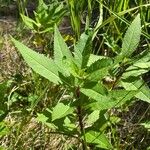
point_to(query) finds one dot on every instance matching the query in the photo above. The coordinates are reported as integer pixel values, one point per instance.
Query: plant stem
(79, 113)
(80, 117)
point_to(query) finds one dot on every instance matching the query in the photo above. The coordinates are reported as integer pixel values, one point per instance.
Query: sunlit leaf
(4, 130)
(94, 58)
(115, 98)
(99, 64)
(30, 23)
(44, 119)
(38, 62)
(140, 85)
(60, 111)
(62, 54)
(146, 125)
(82, 50)
(99, 139)
(60, 48)
(132, 37)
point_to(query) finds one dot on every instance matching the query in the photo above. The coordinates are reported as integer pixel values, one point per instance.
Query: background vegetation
(88, 85)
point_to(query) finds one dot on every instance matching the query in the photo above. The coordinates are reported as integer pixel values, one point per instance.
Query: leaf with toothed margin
(39, 63)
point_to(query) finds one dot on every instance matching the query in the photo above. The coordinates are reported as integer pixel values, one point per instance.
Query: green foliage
(3, 106)
(61, 111)
(92, 82)
(99, 139)
(140, 85)
(82, 94)
(131, 39)
(75, 7)
(146, 125)
(46, 16)
(3, 129)
(82, 51)
(39, 63)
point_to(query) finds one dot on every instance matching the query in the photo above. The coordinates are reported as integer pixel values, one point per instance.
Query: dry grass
(29, 134)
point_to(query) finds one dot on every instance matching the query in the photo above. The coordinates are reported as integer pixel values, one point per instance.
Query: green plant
(22, 6)
(42, 24)
(81, 15)
(3, 106)
(113, 20)
(45, 17)
(94, 84)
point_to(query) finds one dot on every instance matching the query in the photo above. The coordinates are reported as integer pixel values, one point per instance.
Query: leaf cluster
(96, 83)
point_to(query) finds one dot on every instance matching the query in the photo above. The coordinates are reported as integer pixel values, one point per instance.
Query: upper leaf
(132, 37)
(104, 100)
(39, 63)
(94, 58)
(99, 64)
(61, 51)
(82, 50)
(60, 48)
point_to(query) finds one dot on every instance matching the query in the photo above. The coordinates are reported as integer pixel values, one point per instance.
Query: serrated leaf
(60, 48)
(138, 84)
(99, 69)
(39, 63)
(60, 111)
(114, 98)
(94, 95)
(99, 139)
(99, 64)
(98, 87)
(94, 58)
(121, 96)
(82, 50)
(143, 65)
(143, 57)
(134, 71)
(98, 74)
(103, 101)
(61, 52)
(132, 37)
(140, 66)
